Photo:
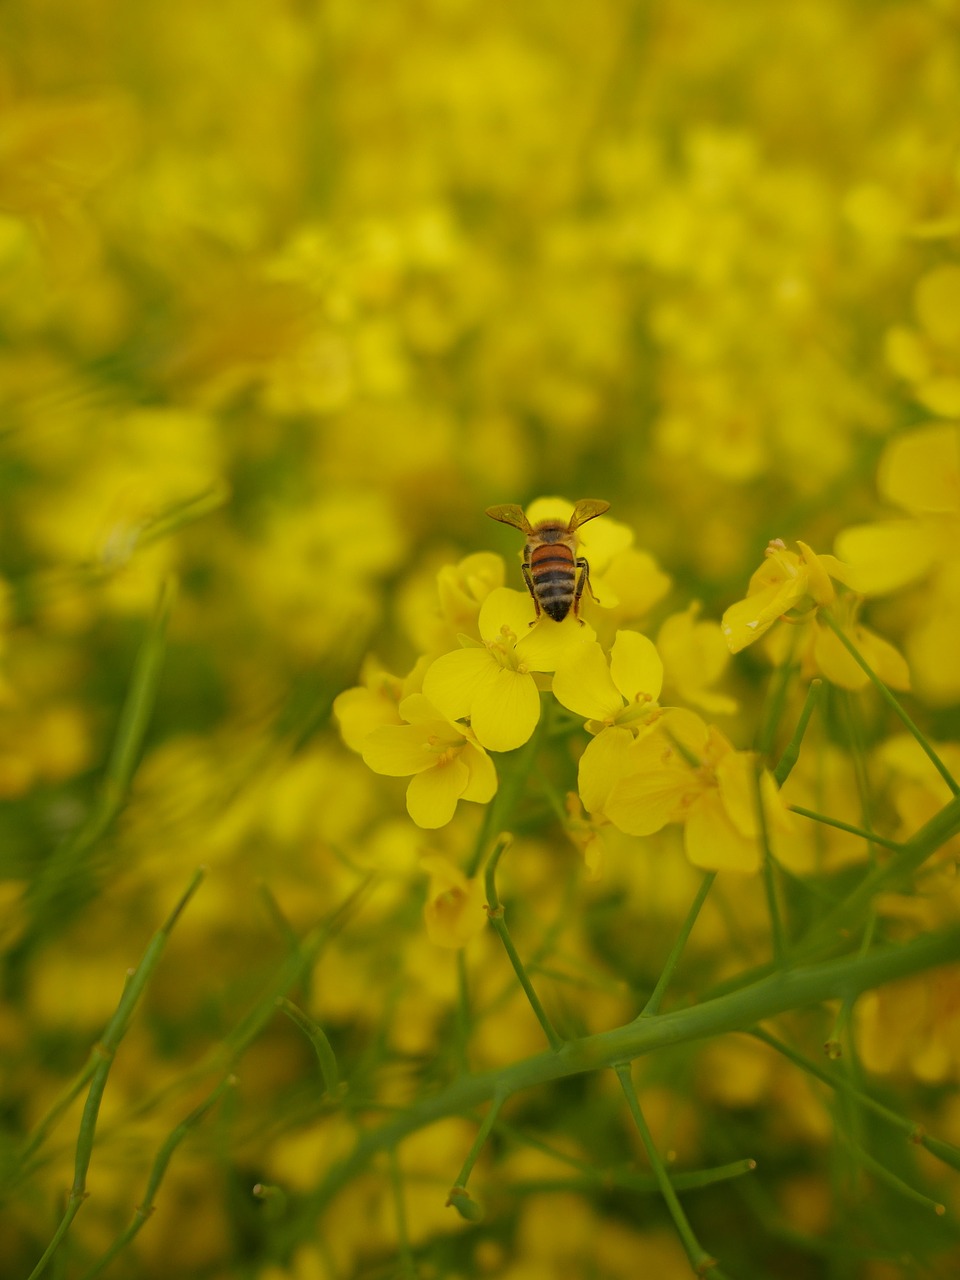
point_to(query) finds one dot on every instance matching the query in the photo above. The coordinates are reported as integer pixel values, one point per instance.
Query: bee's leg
(525, 570)
(582, 581)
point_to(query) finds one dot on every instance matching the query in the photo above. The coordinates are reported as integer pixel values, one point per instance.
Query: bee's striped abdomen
(554, 578)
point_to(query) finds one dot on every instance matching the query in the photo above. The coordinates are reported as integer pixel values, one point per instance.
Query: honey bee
(555, 575)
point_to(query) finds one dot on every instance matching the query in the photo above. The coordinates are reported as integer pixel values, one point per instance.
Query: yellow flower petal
(482, 783)
(454, 681)
(736, 781)
(656, 791)
(398, 750)
(359, 711)
(888, 554)
(432, 795)
(505, 608)
(711, 842)
(602, 763)
(748, 619)
(920, 470)
(453, 913)
(636, 667)
(549, 644)
(506, 713)
(583, 684)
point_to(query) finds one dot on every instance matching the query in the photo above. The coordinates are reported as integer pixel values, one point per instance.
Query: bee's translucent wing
(587, 509)
(510, 513)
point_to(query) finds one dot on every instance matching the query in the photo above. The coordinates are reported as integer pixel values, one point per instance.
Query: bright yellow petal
(453, 682)
(506, 713)
(583, 684)
(711, 842)
(506, 609)
(549, 644)
(888, 554)
(748, 619)
(398, 750)
(482, 783)
(819, 585)
(602, 763)
(920, 470)
(432, 795)
(633, 580)
(657, 789)
(636, 667)
(886, 661)
(360, 711)
(736, 781)
(834, 662)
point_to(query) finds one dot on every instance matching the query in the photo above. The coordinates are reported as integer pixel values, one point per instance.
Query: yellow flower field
(389, 891)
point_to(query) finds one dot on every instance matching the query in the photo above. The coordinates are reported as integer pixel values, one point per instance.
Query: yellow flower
(453, 912)
(445, 760)
(695, 656)
(625, 693)
(493, 686)
(374, 703)
(682, 770)
(785, 584)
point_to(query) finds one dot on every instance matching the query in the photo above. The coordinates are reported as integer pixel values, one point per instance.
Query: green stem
(908, 858)
(500, 810)
(769, 884)
(55, 876)
(700, 1260)
(460, 1197)
(791, 753)
(653, 1004)
(870, 836)
(778, 696)
(944, 1151)
(162, 1160)
(407, 1266)
(738, 1010)
(106, 1051)
(890, 700)
(317, 1037)
(495, 912)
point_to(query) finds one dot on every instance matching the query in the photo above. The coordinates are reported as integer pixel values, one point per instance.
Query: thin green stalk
(791, 753)
(890, 700)
(944, 1151)
(124, 755)
(889, 1178)
(870, 836)
(700, 1260)
(157, 1172)
(106, 1051)
(778, 696)
(908, 857)
(495, 912)
(676, 951)
(459, 1196)
(499, 812)
(407, 1266)
(604, 1179)
(317, 1037)
(738, 1010)
(769, 884)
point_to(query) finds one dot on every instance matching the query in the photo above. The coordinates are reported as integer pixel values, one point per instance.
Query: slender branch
(700, 1260)
(736, 1011)
(495, 912)
(890, 700)
(673, 959)
(870, 836)
(791, 753)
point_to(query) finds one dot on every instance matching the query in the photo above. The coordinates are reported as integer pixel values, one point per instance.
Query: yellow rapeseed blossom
(787, 584)
(683, 771)
(453, 913)
(625, 692)
(447, 762)
(493, 685)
